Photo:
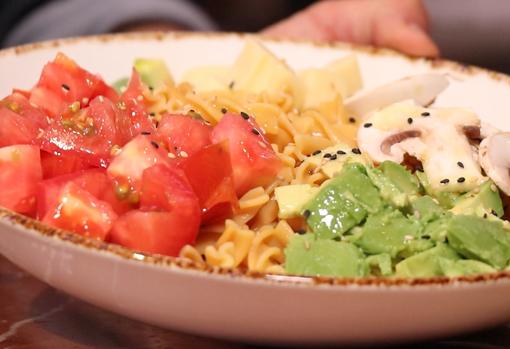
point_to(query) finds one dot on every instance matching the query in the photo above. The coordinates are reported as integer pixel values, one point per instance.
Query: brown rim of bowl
(184, 264)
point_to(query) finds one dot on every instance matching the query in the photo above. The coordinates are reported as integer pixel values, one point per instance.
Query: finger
(406, 37)
(298, 26)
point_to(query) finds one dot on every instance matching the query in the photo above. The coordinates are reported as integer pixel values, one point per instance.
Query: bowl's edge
(184, 264)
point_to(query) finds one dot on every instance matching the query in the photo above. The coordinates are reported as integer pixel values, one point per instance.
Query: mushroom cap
(495, 159)
(422, 89)
(434, 136)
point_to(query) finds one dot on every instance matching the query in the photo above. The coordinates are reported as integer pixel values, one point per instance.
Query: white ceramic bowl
(229, 304)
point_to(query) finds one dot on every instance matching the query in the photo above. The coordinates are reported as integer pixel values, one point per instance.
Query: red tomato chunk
(20, 171)
(253, 160)
(79, 157)
(79, 211)
(154, 232)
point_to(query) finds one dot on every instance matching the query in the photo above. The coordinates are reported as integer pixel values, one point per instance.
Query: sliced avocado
(464, 267)
(389, 232)
(379, 264)
(436, 230)
(292, 198)
(427, 263)
(402, 178)
(153, 72)
(445, 199)
(397, 185)
(307, 255)
(388, 190)
(480, 201)
(426, 209)
(481, 239)
(342, 203)
(120, 85)
(332, 159)
(415, 246)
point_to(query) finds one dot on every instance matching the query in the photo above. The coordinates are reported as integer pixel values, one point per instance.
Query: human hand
(396, 24)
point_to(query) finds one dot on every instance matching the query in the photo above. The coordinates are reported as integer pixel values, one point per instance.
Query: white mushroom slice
(495, 159)
(422, 89)
(436, 137)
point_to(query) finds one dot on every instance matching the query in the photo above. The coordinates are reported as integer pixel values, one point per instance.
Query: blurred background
(470, 31)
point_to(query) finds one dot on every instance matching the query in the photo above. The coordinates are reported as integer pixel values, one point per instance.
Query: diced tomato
(20, 122)
(58, 165)
(154, 232)
(184, 133)
(139, 154)
(133, 105)
(253, 160)
(167, 188)
(94, 181)
(79, 211)
(89, 133)
(20, 171)
(63, 82)
(210, 174)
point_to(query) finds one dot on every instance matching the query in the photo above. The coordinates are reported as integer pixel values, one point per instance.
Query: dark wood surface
(34, 315)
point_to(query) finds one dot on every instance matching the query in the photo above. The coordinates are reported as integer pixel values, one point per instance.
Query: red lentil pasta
(255, 237)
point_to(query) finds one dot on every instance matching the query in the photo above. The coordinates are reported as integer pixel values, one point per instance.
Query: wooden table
(34, 315)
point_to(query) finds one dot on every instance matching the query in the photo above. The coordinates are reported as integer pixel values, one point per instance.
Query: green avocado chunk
(120, 85)
(397, 186)
(379, 264)
(464, 267)
(481, 239)
(426, 210)
(480, 201)
(427, 263)
(153, 72)
(401, 178)
(342, 203)
(436, 230)
(307, 255)
(445, 199)
(388, 232)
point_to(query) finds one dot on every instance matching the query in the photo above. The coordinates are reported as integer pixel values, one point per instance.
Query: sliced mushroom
(422, 89)
(436, 137)
(495, 159)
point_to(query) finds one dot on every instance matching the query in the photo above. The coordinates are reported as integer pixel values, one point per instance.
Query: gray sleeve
(65, 18)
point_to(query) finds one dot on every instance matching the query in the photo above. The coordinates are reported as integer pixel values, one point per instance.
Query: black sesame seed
(306, 213)
(301, 231)
(224, 110)
(255, 131)
(460, 164)
(66, 87)
(409, 121)
(485, 215)
(352, 120)
(155, 145)
(231, 85)
(333, 157)
(145, 133)
(244, 115)
(426, 237)
(317, 152)
(425, 114)
(445, 181)
(494, 213)
(367, 125)
(327, 155)
(461, 180)
(356, 151)
(340, 152)
(152, 114)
